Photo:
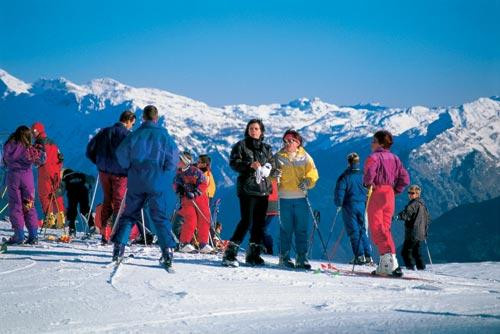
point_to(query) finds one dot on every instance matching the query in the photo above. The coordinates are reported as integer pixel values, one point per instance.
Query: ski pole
(333, 225)
(5, 207)
(317, 228)
(92, 203)
(115, 224)
(144, 228)
(428, 252)
(337, 243)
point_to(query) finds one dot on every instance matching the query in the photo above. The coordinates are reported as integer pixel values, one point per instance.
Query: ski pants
(295, 216)
(196, 214)
(134, 202)
(353, 215)
(411, 251)
(78, 197)
(113, 187)
(50, 200)
(268, 237)
(380, 212)
(253, 211)
(21, 191)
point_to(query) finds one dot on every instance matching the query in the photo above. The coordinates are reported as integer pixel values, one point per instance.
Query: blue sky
(433, 53)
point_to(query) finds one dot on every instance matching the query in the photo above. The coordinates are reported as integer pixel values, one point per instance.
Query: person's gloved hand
(189, 194)
(197, 192)
(304, 184)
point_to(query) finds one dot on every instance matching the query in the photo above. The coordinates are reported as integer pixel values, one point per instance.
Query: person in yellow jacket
(204, 163)
(298, 175)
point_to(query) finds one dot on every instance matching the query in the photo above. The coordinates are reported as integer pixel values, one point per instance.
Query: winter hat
(353, 158)
(66, 171)
(292, 135)
(38, 127)
(186, 158)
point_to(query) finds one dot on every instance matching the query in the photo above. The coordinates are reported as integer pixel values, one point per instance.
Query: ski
(330, 269)
(3, 248)
(116, 268)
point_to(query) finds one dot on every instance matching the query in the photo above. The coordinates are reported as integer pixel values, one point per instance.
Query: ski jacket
(19, 158)
(101, 149)
(51, 167)
(416, 217)
(272, 201)
(295, 170)
(349, 188)
(147, 154)
(192, 180)
(211, 184)
(243, 154)
(76, 181)
(384, 168)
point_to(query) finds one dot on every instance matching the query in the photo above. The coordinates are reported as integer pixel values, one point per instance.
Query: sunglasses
(289, 142)
(411, 193)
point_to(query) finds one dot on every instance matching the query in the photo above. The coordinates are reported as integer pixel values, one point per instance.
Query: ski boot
(14, 241)
(358, 260)
(118, 252)
(301, 262)
(285, 262)
(388, 266)
(60, 220)
(166, 259)
(229, 257)
(253, 255)
(31, 241)
(50, 220)
(369, 261)
(206, 249)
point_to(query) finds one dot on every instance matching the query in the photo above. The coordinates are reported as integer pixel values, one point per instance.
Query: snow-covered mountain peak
(59, 85)
(12, 84)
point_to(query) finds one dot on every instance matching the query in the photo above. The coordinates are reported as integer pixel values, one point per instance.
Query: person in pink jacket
(385, 177)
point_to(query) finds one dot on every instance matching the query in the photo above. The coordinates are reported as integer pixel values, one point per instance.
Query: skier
(350, 195)
(77, 186)
(417, 219)
(49, 179)
(299, 174)
(191, 185)
(19, 156)
(271, 216)
(252, 159)
(385, 175)
(101, 151)
(147, 154)
(205, 164)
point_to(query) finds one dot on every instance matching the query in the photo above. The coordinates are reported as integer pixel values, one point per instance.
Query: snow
(13, 84)
(62, 288)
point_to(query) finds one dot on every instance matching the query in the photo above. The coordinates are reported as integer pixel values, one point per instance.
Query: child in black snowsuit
(416, 218)
(77, 186)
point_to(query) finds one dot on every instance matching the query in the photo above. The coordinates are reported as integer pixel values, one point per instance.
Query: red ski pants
(47, 193)
(113, 187)
(380, 212)
(196, 214)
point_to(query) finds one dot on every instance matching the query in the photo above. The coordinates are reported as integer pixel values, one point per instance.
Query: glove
(304, 184)
(197, 192)
(190, 194)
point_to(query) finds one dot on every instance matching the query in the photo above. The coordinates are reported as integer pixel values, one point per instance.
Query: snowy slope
(62, 288)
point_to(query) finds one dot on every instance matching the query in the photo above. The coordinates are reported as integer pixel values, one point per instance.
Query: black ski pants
(78, 196)
(253, 211)
(411, 251)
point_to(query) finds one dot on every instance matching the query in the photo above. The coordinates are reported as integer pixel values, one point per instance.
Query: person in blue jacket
(350, 195)
(147, 154)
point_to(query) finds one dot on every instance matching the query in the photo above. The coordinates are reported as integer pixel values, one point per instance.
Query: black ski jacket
(242, 155)
(417, 218)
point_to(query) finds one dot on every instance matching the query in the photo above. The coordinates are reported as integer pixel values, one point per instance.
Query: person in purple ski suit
(19, 155)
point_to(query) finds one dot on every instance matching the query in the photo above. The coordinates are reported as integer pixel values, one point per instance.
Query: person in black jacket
(417, 219)
(77, 186)
(252, 159)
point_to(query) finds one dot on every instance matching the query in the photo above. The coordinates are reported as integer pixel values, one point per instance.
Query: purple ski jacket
(17, 157)
(384, 168)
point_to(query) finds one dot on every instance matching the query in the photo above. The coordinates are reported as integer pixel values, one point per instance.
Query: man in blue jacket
(101, 151)
(147, 154)
(350, 195)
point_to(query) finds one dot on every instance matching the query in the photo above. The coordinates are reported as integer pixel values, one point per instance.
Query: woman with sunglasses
(416, 218)
(385, 177)
(298, 175)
